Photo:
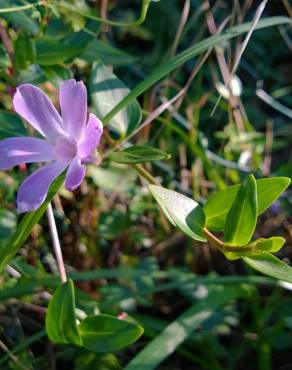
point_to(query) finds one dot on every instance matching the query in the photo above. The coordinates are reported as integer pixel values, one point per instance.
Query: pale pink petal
(75, 174)
(16, 150)
(34, 106)
(34, 189)
(91, 137)
(73, 103)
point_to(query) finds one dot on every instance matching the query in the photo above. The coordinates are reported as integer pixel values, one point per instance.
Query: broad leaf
(182, 211)
(242, 217)
(218, 204)
(107, 91)
(104, 333)
(270, 265)
(257, 247)
(109, 55)
(138, 154)
(61, 323)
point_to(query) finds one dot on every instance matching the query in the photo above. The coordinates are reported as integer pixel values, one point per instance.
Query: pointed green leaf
(61, 323)
(257, 247)
(218, 204)
(106, 92)
(242, 217)
(182, 211)
(138, 154)
(270, 265)
(104, 333)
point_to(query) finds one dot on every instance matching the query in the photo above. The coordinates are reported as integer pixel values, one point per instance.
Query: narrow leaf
(163, 345)
(270, 265)
(242, 217)
(61, 323)
(138, 154)
(104, 333)
(182, 211)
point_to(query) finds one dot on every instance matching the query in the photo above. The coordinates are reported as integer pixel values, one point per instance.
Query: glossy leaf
(11, 125)
(8, 251)
(182, 211)
(270, 265)
(242, 217)
(138, 154)
(257, 247)
(104, 333)
(61, 323)
(218, 204)
(106, 92)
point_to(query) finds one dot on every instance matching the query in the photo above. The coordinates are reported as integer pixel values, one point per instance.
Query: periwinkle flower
(69, 140)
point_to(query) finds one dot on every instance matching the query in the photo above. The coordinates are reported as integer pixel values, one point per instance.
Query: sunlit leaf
(242, 217)
(182, 211)
(138, 154)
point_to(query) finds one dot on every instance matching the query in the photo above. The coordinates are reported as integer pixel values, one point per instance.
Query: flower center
(65, 149)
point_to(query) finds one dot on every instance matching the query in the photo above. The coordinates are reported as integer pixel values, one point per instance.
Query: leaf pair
(100, 333)
(235, 210)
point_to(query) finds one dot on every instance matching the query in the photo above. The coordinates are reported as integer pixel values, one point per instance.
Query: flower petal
(34, 189)
(73, 103)
(75, 174)
(35, 107)
(16, 150)
(91, 136)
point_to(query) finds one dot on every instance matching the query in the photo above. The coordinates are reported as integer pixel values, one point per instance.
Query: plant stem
(213, 240)
(56, 243)
(144, 173)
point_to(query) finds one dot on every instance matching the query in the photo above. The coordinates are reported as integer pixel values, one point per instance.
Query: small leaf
(182, 211)
(24, 51)
(106, 92)
(257, 247)
(270, 265)
(138, 154)
(104, 333)
(218, 204)
(61, 323)
(242, 217)
(11, 125)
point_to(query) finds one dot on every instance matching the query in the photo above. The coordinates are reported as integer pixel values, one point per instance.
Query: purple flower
(70, 140)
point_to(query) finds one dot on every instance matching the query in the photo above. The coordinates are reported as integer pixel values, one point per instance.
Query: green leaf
(242, 217)
(104, 333)
(107, 91)
(138, 154)
(109, 55)
(182, 211)
(24, 51)
(11, 125)
(61, 323)
(270, 265)
(164, 344)
(20, 19)
(218, 204)
(257, 247)
(50, 52)
(8, 251)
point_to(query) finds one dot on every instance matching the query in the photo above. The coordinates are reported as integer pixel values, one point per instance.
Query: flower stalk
(56, 243)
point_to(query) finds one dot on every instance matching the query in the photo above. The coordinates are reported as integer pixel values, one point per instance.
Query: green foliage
(101, 333)
(181, 211)
(138, 154)
(218, 204)
(61, 323)
(104, 333)
(242, 217)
